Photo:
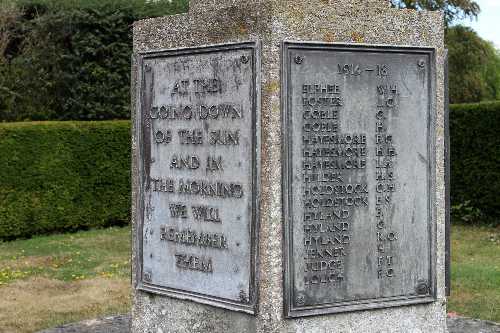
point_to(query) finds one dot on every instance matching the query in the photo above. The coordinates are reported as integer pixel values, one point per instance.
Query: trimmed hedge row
(66, 176)
(475, 159)
(63, 176)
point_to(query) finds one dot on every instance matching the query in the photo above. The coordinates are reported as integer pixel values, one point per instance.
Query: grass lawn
(475, 272)
(46, 281)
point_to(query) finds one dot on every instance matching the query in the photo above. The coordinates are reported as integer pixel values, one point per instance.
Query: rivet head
(421, 63)
(243, 296)
(244, 59)
(298, 60)
(422, 288)
(300, 300)
(147, 68)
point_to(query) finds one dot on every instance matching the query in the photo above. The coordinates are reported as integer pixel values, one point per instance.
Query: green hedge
(63, 176)
(475, 160)
(66, 176)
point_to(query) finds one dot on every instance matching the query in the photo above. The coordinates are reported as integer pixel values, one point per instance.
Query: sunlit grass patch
(63, 278)
(89, 254)
(475, 272)
(29, 305)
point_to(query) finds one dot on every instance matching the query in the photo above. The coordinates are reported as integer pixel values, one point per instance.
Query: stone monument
(288, 168)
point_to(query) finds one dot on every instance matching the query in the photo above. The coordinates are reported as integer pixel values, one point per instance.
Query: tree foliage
(9, 14)
(453, 9)
(474, 66)
(69, 59)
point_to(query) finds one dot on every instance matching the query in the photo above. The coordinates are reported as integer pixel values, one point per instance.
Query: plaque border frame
(141, 145)
(290, 310)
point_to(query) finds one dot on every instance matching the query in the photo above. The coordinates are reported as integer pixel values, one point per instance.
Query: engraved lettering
(190, 137)
(178, 211)
(185, 162)
(193, 263)
(225, 137)
(206, 214)
(190, 237)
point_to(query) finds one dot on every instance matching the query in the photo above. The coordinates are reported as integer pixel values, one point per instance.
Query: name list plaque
(199, 144)
(358, 177)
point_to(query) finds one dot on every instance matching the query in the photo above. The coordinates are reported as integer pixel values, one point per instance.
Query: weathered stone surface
(272, 22)
(111, 324)
(121, 324)
(469, 325)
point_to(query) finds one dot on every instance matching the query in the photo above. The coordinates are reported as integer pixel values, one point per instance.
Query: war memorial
(289, 168)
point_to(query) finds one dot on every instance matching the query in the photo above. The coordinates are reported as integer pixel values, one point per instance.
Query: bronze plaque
(358, 180)
(199, 152)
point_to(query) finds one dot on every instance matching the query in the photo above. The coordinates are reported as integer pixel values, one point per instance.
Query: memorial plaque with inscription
(199, 164)
(358, 177)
